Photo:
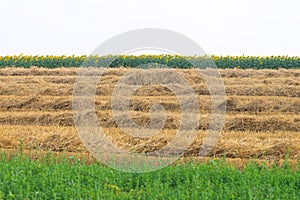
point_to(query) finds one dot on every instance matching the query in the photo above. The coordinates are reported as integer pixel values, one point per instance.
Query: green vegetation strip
(172, 61)
(50, 178)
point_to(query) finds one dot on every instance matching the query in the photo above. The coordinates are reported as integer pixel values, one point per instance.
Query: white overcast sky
(232, 27)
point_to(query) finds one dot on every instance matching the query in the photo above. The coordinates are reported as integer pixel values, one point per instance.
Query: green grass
(22, 178)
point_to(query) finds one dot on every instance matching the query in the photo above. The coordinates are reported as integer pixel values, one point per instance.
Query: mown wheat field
(262, 114)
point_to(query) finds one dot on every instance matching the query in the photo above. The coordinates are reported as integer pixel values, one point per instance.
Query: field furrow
(236, 144)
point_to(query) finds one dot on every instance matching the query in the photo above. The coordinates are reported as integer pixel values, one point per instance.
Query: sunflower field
(172, 61)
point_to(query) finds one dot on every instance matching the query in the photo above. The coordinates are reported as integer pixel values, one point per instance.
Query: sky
(220, 27)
